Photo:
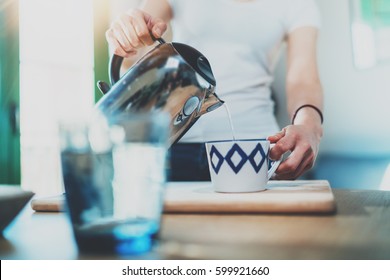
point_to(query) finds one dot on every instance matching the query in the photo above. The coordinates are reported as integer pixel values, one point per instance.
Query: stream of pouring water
(230, 120)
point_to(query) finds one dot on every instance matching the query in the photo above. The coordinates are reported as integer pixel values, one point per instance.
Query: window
(370, 31)
(56, 81)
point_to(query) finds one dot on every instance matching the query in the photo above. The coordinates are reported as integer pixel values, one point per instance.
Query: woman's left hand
(303, 143)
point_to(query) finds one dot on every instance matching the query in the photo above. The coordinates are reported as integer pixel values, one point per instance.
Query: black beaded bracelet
(311, 106)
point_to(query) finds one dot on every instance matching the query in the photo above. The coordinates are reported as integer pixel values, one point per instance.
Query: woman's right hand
(133, 30)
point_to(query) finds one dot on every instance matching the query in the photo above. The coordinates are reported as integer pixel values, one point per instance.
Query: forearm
(303, 84)
(305, 93)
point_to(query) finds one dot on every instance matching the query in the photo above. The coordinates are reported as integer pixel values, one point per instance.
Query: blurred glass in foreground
(114, 173)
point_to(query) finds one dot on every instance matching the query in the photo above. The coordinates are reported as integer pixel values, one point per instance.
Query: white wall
(357, 102)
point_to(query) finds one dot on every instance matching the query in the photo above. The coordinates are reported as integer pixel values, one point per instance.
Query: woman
(241, 39)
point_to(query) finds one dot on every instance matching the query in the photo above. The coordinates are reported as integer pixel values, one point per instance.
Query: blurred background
(52, 52)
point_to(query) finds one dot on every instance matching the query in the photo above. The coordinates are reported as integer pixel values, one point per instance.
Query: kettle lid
(196, 60)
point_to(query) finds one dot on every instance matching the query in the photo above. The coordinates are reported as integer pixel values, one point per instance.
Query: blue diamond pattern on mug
(215, 154)
(257, 158)
(236, 166)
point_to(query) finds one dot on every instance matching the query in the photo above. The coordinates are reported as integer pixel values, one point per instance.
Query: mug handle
(274, 166)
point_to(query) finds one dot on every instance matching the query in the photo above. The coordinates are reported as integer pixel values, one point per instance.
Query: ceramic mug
(240, 165)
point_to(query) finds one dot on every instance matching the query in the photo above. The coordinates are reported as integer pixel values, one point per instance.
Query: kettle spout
(211, 103)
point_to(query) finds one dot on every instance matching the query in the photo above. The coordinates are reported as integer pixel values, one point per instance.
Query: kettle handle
(114, 66)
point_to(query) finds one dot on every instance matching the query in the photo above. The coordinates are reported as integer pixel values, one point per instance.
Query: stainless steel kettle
(172, 77)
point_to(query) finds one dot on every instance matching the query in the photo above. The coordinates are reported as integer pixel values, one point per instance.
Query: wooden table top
(359, 230)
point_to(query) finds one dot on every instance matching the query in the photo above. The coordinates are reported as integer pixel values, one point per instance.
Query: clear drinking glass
(114, 173)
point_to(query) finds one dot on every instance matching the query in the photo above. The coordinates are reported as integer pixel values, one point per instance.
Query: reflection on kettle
(172, 77)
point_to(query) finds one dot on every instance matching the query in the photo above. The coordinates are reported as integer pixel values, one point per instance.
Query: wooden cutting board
(198, 197)
(280, 197)
(54, 203)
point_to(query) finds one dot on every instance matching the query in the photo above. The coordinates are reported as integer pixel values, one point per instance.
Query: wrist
(309, 116)
(309, 112)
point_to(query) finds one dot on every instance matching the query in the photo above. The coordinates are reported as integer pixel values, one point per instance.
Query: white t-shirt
(241, 40)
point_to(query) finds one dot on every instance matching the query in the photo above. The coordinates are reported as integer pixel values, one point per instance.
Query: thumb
(155, 25)
(158, 27)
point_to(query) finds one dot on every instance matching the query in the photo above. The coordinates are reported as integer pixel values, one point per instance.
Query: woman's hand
(132, 31)
(303, 87)
(303, 143)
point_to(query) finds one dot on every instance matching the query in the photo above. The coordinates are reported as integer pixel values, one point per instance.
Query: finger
(294, 164)
(159, 27)
(281, 147)
(292, 171)
(303, 167)
(127, 24)
(276, 137)
(122, 52)
(156, 25)
(115, 46)
(141, 29)
(123, 40)
(297, 156)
